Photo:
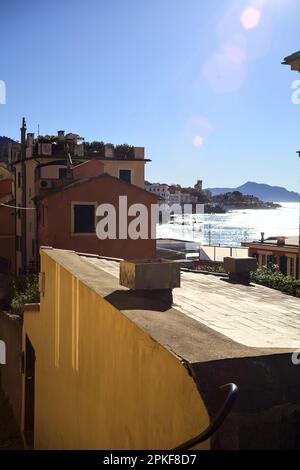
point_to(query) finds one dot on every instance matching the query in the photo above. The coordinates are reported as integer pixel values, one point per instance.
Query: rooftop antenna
(69, 159)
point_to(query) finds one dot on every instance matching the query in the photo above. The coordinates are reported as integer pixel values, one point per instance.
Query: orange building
(67, 217)
(7, 237)
(45, 163)
(7, 222)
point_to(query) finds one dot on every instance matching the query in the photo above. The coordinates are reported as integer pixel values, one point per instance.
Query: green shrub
(276, 280)
(124, 151)
(95, 146)
(23, 289)
(211, 268)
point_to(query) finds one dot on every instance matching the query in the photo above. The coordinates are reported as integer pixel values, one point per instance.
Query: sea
(234, 227)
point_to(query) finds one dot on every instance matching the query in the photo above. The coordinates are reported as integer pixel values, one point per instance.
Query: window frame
(131, 174)
(82, 203)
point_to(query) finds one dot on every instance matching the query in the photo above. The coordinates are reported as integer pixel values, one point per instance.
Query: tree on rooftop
(95, 147)
(47, 139)
(124, 151)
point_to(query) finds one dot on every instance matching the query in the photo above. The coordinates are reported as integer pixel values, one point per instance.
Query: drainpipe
(23, 191)
(36, 248)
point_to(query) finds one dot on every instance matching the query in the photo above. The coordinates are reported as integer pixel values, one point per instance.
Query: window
(83, 218)
(292, 267)
(62, 173)
(125, 175)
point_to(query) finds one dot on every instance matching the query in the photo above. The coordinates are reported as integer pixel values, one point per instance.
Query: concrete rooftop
(288, 241)
(221, 333)
(253, 316)
(210, 319)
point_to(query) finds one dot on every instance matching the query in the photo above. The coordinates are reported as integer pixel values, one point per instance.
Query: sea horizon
(236, 226)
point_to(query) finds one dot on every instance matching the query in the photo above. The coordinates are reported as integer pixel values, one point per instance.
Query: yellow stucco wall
(51, 172)
(137, 170)
(101, 381)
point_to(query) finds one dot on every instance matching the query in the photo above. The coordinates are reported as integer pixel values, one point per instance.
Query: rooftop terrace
(206, 307)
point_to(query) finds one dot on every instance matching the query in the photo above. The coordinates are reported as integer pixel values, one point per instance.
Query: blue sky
(200, 84)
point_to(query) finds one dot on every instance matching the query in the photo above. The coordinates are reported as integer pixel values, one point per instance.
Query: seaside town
(139, 315)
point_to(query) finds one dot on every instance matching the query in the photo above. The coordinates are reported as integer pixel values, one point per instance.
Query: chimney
(262, 240)
(30, 139)
(239, 269)
(109, 151)
(153, 279)
(61, 135)
(139, 152)
(281, 241)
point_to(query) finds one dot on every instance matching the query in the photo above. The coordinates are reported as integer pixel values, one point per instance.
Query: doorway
(283, 265)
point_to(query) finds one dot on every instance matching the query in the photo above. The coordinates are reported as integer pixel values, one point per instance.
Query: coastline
(235, 226)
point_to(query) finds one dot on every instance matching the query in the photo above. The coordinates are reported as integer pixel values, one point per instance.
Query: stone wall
(267, 412)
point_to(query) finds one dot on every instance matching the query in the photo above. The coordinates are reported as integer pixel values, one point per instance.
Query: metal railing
(217, 422)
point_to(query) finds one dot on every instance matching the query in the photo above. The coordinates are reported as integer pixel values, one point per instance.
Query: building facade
(43, 163)
(161, 190)
(7, 219)
(277, 251)
(169, 195)
(98, 378)
(67, 217)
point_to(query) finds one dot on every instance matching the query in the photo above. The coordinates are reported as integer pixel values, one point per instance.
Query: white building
(161, 190)
(176, 197)
(187, 198)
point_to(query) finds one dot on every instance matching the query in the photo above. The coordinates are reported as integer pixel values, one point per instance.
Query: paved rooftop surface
(210, 319)
(254, 316)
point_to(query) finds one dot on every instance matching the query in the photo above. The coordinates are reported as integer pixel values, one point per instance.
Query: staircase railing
(217, 422)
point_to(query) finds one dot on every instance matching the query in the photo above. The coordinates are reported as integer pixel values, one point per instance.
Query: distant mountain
(264, 192)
